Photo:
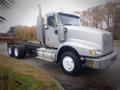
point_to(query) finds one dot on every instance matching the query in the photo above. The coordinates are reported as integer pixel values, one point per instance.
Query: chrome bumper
(102, 62)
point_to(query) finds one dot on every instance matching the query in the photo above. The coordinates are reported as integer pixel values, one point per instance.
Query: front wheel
(70, 63)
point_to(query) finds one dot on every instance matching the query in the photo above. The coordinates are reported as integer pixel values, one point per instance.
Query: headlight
(95, 52)
(91, 51)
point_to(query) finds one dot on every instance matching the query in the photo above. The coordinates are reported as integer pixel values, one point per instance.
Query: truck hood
(86, 29)
(91, 37)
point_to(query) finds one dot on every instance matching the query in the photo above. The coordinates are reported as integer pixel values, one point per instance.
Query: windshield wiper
(68, 24)
(72, 24)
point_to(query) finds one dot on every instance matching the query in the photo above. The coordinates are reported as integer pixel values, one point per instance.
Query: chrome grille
(107, 42)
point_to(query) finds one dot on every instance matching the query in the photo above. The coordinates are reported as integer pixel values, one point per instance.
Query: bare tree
(2, 19)
(4, 5)
(108, 11)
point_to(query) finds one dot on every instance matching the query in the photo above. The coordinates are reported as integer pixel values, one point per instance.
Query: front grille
(107, 43)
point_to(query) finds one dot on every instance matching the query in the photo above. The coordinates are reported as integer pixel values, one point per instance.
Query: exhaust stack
(40, 27)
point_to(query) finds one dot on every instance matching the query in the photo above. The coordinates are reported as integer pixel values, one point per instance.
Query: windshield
(68, 19)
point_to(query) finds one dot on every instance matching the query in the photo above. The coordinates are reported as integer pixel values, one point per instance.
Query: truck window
(51, 21)
(68, 19)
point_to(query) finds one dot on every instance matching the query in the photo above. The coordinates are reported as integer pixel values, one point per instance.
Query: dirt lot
(88, 79)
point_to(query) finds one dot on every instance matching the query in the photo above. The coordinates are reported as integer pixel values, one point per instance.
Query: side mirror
(62, 33)
(45, 26)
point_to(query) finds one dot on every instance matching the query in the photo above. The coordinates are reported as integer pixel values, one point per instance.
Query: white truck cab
(62, 39)
(66, 41)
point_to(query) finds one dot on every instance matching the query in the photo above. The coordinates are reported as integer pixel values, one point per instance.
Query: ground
(17, 75)
(88, 79)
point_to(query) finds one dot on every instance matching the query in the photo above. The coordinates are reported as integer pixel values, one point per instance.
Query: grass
(16, 75)
(116, 42)
(16, 81)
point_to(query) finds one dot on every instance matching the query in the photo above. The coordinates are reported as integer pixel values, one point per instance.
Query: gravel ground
(88, 79)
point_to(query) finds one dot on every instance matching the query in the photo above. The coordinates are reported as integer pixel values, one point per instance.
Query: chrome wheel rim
(16, 52)
(68, 63)
(9, 51)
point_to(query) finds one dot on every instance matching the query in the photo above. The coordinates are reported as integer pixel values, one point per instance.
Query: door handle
(56, 31)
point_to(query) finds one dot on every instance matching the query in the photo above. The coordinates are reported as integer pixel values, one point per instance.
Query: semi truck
(62, 39)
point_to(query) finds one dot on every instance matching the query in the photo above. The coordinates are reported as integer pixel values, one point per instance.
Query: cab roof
(66, 12)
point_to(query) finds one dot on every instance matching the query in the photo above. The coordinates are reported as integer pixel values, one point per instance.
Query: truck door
(51, 33)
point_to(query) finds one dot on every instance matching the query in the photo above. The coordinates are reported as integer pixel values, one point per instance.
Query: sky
(25, 12)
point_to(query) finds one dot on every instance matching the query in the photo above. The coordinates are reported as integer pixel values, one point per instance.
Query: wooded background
(24, 33)
(105, 17)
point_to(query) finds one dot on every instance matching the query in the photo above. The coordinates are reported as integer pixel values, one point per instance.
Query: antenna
(40, 10)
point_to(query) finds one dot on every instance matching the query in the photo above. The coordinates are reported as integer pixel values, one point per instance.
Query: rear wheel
(70, 63)
(11, 50)
(19, 51)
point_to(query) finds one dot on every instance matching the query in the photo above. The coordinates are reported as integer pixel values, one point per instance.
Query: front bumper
(101, 62)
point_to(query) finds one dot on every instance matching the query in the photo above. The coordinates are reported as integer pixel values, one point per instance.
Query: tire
(10, 50)
(70, 63)
(19, 52)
